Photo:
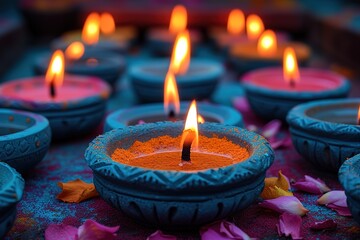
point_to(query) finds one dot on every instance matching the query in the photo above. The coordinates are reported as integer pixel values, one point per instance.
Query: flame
(178, 21)
(236, 22)
(171, 94)
(180, 58)
(191, 124)
(267, 44)
(200, 119)
(90, 32)
(358, 118)
(107, 23)
(55, 71)
(290, 66)
(75, 51)
(254, 26)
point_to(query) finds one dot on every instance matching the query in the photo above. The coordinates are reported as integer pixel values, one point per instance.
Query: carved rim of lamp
(349, 177)
(155, 113)
(326, 132)
(244, 56)
(178, 199)
(271, 97)
(11, 191)
(200, 81)
(102, 64)
(77, 110)
(24, 138)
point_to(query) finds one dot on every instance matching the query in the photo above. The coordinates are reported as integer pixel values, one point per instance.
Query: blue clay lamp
(105, 65)
(149, 113)
(326, 132)
(349, 177)
(24, 138)
(178, 199)
(271, 96)
(199, 82)
(76, 110)
(11, 191)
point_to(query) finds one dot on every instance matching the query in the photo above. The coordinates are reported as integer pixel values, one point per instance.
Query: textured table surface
(64, 162)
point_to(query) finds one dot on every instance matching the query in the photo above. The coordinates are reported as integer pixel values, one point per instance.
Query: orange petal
(281, 181)
(76, 191)
(274, 192)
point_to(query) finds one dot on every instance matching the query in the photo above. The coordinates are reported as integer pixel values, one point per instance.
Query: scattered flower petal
(159, 235)
(289, 225)
(271, 129)
(281, 181)
(274, 192)
(283, 204)
(241, 104)
(342, 211)
(278, 143)
(140, 122)
(76, 191)
(92, 230)
(60, 232)
(222, 231)
(252, 128)
(328, 224)
(311, 185)
(337, 198)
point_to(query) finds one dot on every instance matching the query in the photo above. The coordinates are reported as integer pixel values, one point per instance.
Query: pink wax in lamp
(74, 105)
(272, 92)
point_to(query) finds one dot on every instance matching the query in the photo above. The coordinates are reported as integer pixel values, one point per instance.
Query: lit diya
(161, 40)
(197, 79)
(99, 33)
(266, 52)
(167, 175)
(326, 132)
(171, 110)
(84, 61)
(74, 105)
(272, 92)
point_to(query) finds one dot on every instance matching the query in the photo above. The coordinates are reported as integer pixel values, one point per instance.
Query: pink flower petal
(271, 129)
(92, 230)
(222, 231)
(308, 187)
(241, 104)
(328, 224)
(252, 128)
(319, 183)
(289, 204)
(342, 211)
(337, 198)
(60, 232)
(289, 225)
(140, 122)
(159, 235)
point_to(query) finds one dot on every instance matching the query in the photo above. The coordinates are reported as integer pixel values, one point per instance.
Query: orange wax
(249, 51)
(164, 153)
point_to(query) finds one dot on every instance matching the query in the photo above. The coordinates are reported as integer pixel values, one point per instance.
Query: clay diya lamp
(74, 107)
(267, 52)
(349, 177)
(272, 92)
(84, 61)
(24, 138)
(161, 40)
(197, 79)
(11, 191)
(233, 34)
(91, 36)
(163, 176)
(171, 110)
(326, 132)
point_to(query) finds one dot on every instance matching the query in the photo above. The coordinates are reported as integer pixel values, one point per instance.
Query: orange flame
(200, 119)
(236, 22)
(180, 58)
(267, 44)
(55, 71)
(254, 26)
(191, 125)
(171, 94)
(358, 118)
(107, 23)
(91, 29)
(178, 21)
(75, 51)
(290, 66)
